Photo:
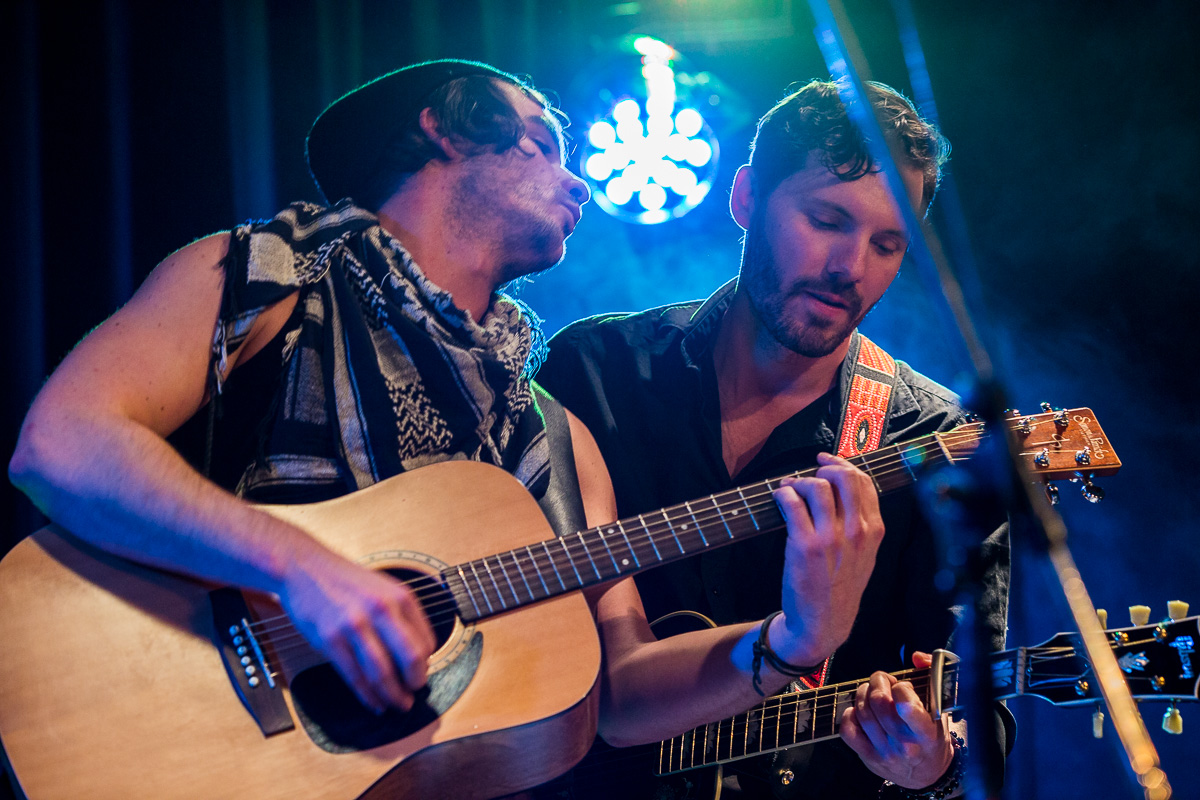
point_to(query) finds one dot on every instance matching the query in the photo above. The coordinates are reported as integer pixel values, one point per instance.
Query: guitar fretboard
(509, 580)
(813, 715)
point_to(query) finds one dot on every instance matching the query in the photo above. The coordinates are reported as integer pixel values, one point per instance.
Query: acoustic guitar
(122, 681)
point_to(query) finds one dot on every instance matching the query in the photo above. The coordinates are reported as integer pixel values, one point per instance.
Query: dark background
(131, 129)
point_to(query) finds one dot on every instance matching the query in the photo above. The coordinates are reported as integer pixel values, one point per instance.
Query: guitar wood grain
(110, 686)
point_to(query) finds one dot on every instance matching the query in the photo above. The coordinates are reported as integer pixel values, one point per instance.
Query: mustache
(846, 293)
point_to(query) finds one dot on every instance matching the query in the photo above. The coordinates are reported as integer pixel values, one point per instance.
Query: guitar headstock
(1054, 445)
(1159, 662)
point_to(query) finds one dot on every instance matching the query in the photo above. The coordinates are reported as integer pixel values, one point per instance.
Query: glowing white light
(677, 147)
(699, 152)
(684, 181)
(619, 155)
(619, 191)
(598, 167)
(659, 76)
(626, 109)
(662, 171)
(637, 174)
(688, 122)
(601, 135)
(630, 130)
(653, 48)
(699, 193)
(652, 197)
(659, 125)
(661, 103)
(643, 150)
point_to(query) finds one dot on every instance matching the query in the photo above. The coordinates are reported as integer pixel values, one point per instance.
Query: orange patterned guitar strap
(864, 415)
(864, 418)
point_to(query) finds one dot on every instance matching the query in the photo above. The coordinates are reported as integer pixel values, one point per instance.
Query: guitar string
(428, 585)
(772, 721)
(656, 529)
(750, 733)
(769, 719)
(448, 606)
(563, 563)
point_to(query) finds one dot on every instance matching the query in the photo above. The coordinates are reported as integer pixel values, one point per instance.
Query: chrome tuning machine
(1090, 491)
(1060, 414)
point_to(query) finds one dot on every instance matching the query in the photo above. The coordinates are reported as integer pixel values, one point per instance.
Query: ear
(741, 199)
(429, 126)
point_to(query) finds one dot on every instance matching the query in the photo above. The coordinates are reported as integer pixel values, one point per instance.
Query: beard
(799, 332)
(513, 216)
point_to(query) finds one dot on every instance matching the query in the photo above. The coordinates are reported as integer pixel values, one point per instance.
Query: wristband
(763, 652)
(943, 787)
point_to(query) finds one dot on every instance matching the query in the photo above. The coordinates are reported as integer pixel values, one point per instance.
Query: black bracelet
(763, 652)
(941, 788)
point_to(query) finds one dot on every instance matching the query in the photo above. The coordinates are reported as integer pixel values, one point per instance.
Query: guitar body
(111, 686)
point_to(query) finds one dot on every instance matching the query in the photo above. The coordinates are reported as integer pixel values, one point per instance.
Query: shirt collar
(702, 326)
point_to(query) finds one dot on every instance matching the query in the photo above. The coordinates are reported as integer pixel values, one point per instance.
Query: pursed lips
(576, 213)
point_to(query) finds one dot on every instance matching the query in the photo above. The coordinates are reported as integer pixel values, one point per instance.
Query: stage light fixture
(649, 154)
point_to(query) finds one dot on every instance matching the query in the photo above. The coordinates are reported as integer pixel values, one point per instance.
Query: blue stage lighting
(650, 155)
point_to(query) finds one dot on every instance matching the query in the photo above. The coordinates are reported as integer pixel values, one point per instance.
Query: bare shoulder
(149, 361)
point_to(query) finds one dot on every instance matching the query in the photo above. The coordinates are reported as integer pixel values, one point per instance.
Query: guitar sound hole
(435, 599)
(337, 722)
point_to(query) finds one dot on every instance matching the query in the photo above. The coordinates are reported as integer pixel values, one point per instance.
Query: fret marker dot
(733, 513)
(683, 527)
(624, 562)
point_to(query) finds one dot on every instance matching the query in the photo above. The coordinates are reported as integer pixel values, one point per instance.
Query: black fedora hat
(349, 136)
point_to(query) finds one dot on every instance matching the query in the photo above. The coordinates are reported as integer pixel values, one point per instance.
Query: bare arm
(92, 456)
(656, 689)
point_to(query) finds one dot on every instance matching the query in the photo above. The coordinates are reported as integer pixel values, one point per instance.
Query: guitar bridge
(245, 663)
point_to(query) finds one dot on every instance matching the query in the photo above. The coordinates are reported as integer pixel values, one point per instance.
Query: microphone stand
(997, 478)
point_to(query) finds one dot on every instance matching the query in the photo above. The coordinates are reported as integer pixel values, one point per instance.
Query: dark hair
(473, 111)
(814, 119)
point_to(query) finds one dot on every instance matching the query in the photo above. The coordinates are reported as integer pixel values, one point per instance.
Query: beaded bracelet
(763, 652)
(943, 787)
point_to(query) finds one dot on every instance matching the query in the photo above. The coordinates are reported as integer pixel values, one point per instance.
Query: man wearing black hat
(328, 360)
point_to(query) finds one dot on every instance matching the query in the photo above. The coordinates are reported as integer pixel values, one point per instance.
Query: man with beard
(697, 398)
(349, 344)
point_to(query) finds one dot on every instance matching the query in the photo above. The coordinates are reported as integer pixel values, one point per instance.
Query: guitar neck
(813, 715)
(516, 578)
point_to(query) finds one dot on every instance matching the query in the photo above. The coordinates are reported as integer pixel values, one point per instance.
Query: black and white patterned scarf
(382, 373)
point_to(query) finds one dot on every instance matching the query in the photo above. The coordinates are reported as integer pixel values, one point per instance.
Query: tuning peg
(1139, 615)
(1060, 414)
(1103, 615)
(1177, 609)
(1098, 723)
(1052, 494)
(1091, 492)
(1173, 720)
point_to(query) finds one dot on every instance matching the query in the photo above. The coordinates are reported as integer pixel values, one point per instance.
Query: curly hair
(813, 119)
(471, 110)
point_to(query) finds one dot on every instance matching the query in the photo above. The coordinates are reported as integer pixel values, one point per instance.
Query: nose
(848, 260)
(576, 187)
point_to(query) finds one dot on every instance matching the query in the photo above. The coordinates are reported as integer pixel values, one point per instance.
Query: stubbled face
(524, 200)
(819, 253)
